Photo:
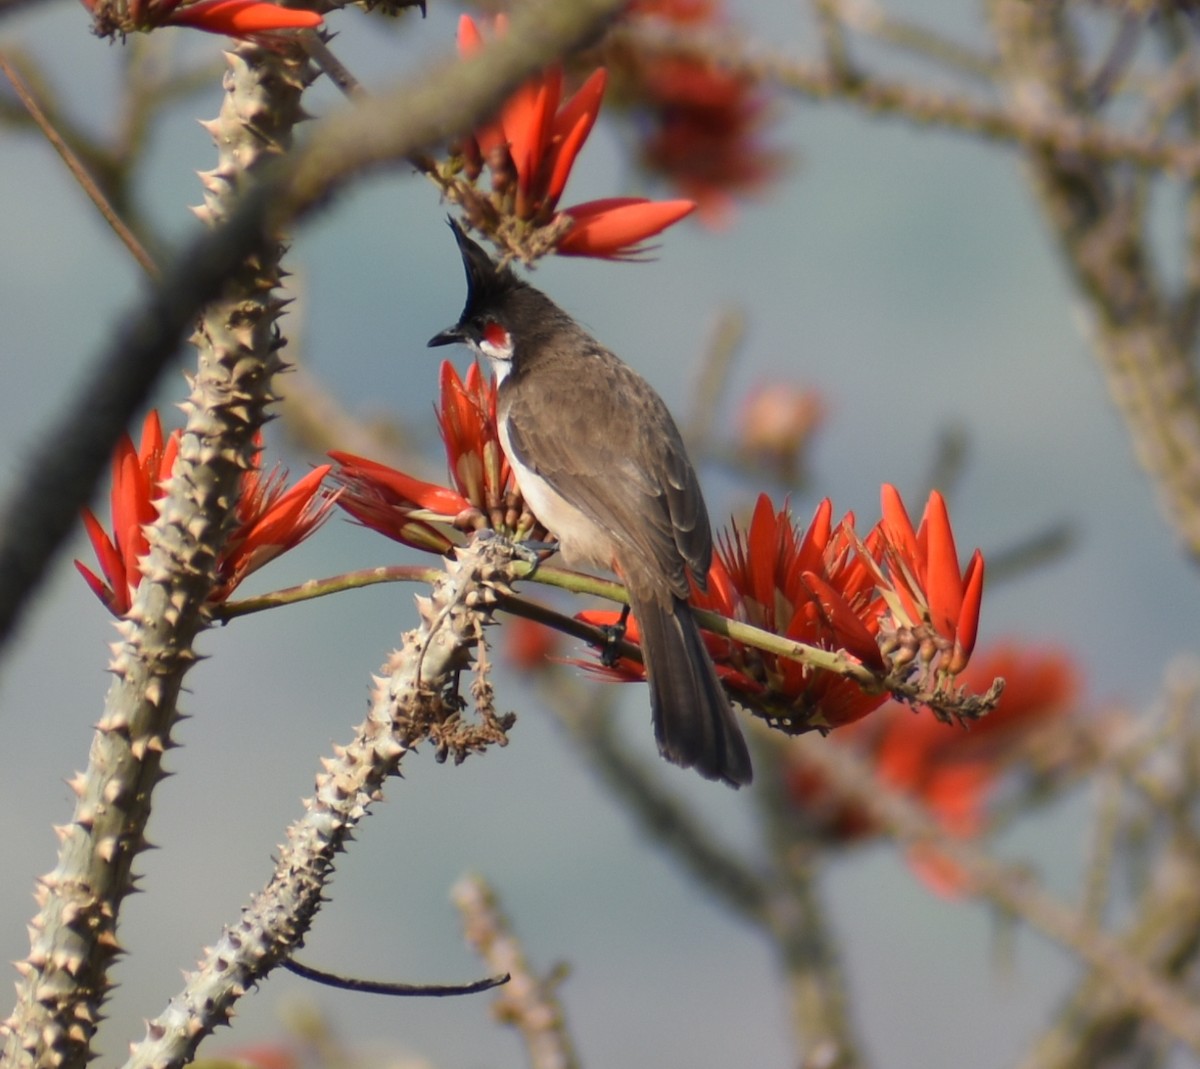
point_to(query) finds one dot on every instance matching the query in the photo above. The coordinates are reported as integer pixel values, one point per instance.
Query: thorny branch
(373, 132)
(413, 702)
(65, 977)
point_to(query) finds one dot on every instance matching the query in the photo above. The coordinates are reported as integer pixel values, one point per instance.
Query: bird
(602, 465)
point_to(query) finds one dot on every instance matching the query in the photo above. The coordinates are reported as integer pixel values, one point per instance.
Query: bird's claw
(614, 635)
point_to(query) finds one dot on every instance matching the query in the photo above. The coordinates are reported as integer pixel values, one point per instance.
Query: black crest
(487, 284)
(496, 294)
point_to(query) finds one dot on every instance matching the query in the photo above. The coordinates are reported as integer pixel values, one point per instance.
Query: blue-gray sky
(905, 274)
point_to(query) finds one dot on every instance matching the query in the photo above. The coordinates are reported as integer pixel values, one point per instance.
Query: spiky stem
(73, 942)
(408, 706)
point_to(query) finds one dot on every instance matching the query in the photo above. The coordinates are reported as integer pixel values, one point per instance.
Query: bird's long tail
(693, 721)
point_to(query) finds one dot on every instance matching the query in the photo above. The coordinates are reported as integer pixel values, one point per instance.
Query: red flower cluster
(271, 518)
(702, 123)
(951, 770)
(233, 18)
(893, 600)
(418, 513)
(530, 149)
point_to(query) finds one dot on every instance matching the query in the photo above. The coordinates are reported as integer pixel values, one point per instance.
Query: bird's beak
(449, 336)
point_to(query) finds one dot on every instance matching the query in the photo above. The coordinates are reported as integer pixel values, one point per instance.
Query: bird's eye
(496, 342)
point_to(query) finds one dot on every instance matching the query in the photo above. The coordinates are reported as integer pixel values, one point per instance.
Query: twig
(833, 38)
(659, 812)
(965, 706)
(724, 342)
(798, 924)
(1127, 976)
(528, 1002)
(1101, 231)
(392, 988)
(86, 182)
(869, 18)
(320, 588)
(779, 899)
(7, 7)
(1034, 551)
(1098, 1024)
(819, 81)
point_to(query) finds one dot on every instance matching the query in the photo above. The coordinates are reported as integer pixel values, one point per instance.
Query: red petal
(585, 104)
(816, 538)
(101, 591)
(613, 227)
(437, 499)
(904, 754)
(956, 792)
(572, 126)
(722, 595)
(236, 18)
(474, 378)
(968, 617)
(809, 555)
(167, 461)
(897, 526)
(152, 436)
(850, 632)
(762, 548)
(527, 116)
(943, 580)
(385, 519)
(564, 159)
(130, 501)
(470, 40)
(286, 521)
(599, 617)
(108, 556)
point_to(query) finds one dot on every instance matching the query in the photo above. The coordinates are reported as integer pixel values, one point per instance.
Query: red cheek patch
(496, 336)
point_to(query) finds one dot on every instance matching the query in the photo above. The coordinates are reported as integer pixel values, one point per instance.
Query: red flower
(530, 150)
(806, 586)
(416, 512)
(803, 586)
(951, 769)
(138, 476)
(700, 124)
(233, 18)
(271, 520)
(467, 420)
(936, 612)
(826, 587)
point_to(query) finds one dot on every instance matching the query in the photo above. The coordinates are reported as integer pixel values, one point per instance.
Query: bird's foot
(534, 552)
(614, 635)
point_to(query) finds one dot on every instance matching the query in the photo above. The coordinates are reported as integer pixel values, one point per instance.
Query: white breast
(580, 541)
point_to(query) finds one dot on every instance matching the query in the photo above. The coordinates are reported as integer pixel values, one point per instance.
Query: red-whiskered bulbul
(602, 465)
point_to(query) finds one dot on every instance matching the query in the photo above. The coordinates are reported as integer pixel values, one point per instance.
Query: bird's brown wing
(623, 464)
